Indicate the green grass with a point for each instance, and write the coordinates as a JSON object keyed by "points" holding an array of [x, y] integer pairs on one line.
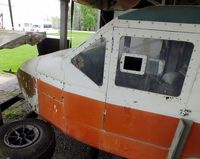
{"points": [[77, 37], [13, 58]]}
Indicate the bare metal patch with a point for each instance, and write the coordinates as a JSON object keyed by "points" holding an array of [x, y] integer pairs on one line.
{"points": [[27, 83]]}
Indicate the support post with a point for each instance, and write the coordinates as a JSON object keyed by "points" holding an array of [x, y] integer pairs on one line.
{"points": [[1, 21], [63, 23], [164, 2], [11, 15]]}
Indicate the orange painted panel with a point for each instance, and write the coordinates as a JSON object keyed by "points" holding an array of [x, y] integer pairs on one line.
{"points": [[85, 134], [192, 146], [49, 107], [132, 149], [127, 132], [84, 110], [114, 144], [84, 119], [52, 91], [148, 127]]}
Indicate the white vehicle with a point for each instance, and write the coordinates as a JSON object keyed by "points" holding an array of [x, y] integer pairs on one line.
{"points": [[44, 27], [25, 26]]}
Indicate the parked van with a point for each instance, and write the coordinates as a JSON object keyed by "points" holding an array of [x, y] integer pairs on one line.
{"points": [[44, 27], [25, 26]]}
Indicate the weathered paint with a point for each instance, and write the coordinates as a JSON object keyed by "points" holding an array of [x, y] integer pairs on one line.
{"points": [[51, 104], [125, 131], [140, 125], [128, 122], [192, 146], [27, 83]]}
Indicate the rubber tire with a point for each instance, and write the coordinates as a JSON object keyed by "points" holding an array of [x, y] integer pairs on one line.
{"points": [[42, 148]]}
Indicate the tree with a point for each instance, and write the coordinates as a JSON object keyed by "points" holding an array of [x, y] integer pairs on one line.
{"points": [[55, 20], [89, 17]]}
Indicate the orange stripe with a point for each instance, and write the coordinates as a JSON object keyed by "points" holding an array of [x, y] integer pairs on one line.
{"points": [[127, 132], [114, 144], [149, 127]]}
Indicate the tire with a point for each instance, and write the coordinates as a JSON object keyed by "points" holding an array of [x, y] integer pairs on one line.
{"points": [[41, 135]]}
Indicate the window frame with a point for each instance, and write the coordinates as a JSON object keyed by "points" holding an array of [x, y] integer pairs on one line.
{"points": [[92, 44], [154, 84], [121, 33], [149, 101], [86, 82]]}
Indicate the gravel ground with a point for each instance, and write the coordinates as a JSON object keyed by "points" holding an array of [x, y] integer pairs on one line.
{"points": [[66, 147]]}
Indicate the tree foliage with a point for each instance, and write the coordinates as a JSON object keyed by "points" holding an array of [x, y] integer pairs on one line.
{"points": [[89, 17]]}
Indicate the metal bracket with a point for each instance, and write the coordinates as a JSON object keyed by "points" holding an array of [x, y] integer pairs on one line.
{"points": [[185, 112], [180, 138]]}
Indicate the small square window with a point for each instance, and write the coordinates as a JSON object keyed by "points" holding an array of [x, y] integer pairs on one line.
{"points": [[133, 63]]}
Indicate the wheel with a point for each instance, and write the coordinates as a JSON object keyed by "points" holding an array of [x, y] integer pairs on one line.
{"points": [[27, 139]]}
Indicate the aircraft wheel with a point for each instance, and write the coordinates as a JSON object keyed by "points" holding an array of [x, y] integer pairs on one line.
{"points": [[27, 139]]}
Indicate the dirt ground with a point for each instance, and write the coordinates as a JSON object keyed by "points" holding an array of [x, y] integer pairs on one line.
{"points": [[66, 147]]}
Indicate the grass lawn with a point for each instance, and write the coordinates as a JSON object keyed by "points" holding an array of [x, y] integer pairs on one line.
{"points": [[78, 37], [13, 58]]}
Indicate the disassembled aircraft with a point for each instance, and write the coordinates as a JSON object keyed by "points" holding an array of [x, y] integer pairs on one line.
{"points": [[132, 89]]}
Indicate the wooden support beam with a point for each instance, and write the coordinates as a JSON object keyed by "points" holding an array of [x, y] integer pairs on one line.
{"points": [[10, 102], [63, 23], [7, 104]]}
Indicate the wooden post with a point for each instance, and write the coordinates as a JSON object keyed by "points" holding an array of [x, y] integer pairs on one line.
{"points": [[63, 23], [11, 15]]}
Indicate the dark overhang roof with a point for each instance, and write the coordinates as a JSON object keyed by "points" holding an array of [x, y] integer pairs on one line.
{"points": [[174, 14]]}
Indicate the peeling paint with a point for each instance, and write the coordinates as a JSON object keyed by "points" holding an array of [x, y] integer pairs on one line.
{"points": [[27, 83]]}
